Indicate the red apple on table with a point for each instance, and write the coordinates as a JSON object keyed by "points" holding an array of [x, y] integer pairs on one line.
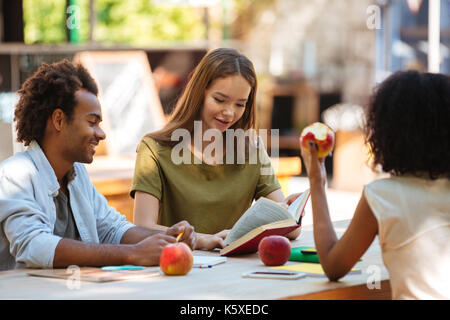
{"points": [[274, 250], [321, 135], [176, 259]]}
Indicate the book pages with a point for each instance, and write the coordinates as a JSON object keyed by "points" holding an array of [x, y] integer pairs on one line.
{"points": [[263, 211], [298, 205]]}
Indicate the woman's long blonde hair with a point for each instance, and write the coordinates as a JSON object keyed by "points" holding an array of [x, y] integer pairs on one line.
{"points": [[218, 63]]}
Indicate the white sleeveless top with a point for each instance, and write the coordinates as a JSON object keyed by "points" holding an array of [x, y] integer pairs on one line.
{"points": [[413, 217]]}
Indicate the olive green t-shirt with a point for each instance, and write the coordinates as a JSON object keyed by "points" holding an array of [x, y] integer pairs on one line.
{"points": [[209, 197]]}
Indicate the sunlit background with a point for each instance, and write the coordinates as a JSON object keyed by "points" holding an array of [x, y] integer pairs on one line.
{"points": [[316, 60]]}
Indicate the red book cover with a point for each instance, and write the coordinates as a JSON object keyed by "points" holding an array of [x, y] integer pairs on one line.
{"points": [[251, 245]]}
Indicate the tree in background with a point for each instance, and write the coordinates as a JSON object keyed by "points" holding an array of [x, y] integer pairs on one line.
{"points": [[44, 21], [134, 22]]}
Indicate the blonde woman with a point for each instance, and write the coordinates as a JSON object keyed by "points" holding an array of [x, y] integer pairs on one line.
{"points": [[208, 193]]}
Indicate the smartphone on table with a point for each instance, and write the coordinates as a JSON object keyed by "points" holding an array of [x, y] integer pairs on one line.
{"points": [[274, 274]]}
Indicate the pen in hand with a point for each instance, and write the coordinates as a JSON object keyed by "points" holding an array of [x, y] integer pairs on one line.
{"points": [[180, 235]]}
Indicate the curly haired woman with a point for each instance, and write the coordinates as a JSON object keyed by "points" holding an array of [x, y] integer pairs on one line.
{"points": [[408, 131]]}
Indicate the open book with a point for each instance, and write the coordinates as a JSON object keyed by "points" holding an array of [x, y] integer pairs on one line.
{"points": [[264, 218]]}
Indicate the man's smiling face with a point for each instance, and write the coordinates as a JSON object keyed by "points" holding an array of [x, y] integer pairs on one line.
{"points": [[83, 133]]}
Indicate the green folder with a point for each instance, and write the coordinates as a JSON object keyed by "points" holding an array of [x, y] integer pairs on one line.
{"points": [[297, 255]]}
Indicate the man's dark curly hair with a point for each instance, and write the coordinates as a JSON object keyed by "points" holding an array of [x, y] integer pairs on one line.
{"points": [[52, 86], [408, 124]]}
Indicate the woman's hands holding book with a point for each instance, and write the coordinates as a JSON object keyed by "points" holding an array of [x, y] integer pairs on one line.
{"points": [[286, 203], [211, 241], [289, 199]]}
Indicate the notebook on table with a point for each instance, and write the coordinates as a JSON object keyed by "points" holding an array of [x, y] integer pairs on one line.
{"points": [[206, 261], [94, 274]]}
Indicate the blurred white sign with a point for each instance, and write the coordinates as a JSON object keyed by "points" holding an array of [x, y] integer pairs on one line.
{"points": [[128, 97], [8, 101], [345, 117]]}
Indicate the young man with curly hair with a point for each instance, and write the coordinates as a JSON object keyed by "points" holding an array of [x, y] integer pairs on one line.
{"points": [[50, 213]]}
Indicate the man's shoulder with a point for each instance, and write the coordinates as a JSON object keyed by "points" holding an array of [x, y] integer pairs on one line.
{"points": [[18, 164]]}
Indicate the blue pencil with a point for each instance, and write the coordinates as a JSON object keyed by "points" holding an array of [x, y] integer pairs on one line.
{"points": [[118, 268]]}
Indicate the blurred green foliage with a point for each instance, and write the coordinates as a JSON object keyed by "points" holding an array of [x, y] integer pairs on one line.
{"points": [[44, 21], [134, 22]]}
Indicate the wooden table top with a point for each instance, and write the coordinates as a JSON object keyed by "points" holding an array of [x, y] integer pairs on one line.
{"points": [[222, 281]]}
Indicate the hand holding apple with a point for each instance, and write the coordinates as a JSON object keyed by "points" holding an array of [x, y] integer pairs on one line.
{"points": [[211, 241], [316, 142], [274, 250], [176, 259], [321, 135]]}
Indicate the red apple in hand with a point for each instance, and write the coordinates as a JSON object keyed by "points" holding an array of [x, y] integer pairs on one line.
{"points": [[274, 250], [319, 134], [176, 259]]}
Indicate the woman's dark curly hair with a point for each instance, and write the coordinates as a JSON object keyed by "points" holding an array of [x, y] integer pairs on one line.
{"points": [[408, 124], [52, 86]]}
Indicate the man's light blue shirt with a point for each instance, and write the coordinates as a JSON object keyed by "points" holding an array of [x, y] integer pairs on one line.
{"points": [[28, 185]]}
